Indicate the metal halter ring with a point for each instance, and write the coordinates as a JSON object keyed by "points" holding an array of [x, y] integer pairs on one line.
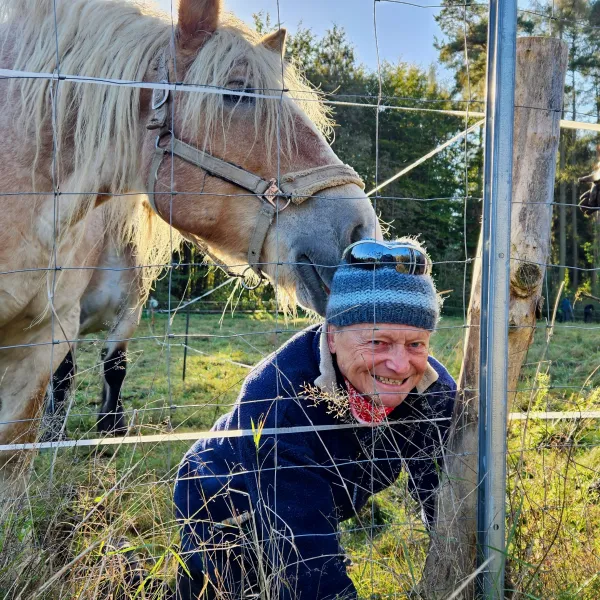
{"points": [[247, 286], [159, 138], [273, 193]]}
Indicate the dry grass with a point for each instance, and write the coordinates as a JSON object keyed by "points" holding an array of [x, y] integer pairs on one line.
{"points": [[91, 517]]}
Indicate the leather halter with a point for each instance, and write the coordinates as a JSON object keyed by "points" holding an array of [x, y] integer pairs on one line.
{"points": [[274, 197]]}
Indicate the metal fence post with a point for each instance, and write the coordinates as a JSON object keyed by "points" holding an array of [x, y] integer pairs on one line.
{"points": [[495, 295]]}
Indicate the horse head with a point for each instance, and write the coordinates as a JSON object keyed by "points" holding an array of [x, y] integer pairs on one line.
{"points": [[250, 176]]}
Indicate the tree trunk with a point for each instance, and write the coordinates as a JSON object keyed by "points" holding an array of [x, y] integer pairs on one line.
{"points": [[596, 215], [575, 241], [595, 251], [562, 209], [562, 216], [574, 207], [540, 76]]}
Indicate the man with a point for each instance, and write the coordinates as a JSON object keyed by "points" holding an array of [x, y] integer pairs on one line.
{"points": [[326, 421]]}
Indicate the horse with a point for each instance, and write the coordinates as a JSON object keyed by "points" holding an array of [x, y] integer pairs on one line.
{"points": [[111, 303], [233, 155], [589, 202]]}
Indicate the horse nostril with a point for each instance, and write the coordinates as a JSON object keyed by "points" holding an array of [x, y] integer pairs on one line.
{"points": [[357, 234]]}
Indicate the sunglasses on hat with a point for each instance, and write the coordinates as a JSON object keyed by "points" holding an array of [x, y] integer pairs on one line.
{"points": [[369, 254]]}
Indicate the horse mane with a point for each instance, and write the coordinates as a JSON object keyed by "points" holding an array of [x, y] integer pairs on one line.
{"points": [[93, 121], [100, 125], [235, 46]]}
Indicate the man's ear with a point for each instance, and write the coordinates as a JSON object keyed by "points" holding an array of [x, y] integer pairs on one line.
{"points": [[198, 20], [331, 338]]}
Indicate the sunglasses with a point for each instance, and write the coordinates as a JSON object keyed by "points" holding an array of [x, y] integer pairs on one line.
{"points": [[369, 254]]}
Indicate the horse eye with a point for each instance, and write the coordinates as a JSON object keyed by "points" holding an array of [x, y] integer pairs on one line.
{"points": [[233, 99]]}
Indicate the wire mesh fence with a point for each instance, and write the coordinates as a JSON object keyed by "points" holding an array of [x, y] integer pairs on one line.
{"points": [[120, 346]]}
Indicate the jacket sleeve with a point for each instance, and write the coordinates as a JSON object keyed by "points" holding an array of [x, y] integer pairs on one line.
{"points": [[424, 448], [296, 518]]}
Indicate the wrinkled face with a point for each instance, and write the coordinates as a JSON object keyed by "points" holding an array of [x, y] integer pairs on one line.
{"points": [[385, 361]]}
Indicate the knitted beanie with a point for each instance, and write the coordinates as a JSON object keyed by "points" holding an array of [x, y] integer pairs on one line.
{"points": [[382, 295]]}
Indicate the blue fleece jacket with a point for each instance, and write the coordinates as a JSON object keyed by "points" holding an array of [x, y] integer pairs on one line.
{"points": [[288, 491]]}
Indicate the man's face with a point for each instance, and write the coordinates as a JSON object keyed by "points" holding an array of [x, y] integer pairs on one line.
{"points": [[384, 361]]}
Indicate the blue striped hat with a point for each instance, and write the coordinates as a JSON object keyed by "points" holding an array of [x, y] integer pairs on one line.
{"points": [[383, 295]]}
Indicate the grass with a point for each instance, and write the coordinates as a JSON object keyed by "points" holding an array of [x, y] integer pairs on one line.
{"points": [[82, 499]]}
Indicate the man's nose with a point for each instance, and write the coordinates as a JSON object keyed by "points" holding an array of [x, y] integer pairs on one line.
{"points": [[398, 360]]}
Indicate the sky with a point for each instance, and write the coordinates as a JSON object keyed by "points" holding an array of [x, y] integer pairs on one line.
{"points": [[404, 32]]}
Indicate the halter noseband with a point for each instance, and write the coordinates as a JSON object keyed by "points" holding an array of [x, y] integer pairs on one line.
{"points": [[292, 187]]}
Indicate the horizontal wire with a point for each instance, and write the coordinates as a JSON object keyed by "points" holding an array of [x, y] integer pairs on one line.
{"points": [[484, 5], [172, 336], [447, 6], [190, 87], [238, 195], [170, 479], [200, 264], [231, 404], [199, 435], [237, 433], [273, 263], [17, 74]]}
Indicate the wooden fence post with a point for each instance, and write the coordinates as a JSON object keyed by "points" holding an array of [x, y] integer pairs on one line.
{"points": [[540, 76]]}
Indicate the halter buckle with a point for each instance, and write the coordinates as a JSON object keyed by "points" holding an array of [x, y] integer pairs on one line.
{"points": [[273, 193]]}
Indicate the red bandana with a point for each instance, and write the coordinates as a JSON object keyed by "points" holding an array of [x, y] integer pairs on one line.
{"points": [[363, 409]]}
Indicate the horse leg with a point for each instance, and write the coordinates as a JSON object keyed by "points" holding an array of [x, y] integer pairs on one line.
{"points": [[111, 420], [21, 426], [27, 373], [53, 425]]}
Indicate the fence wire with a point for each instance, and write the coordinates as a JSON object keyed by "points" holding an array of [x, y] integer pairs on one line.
{"points": [[95, 518]]}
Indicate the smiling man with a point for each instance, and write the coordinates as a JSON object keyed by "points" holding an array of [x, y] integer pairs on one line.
{"points": [[320, 426]]}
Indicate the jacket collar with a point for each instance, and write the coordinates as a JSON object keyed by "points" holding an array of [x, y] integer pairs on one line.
{"points": [[327, 379]]}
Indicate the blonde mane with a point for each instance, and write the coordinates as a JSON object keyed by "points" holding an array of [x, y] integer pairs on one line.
{"points": [[100, 125], [236, 47]]}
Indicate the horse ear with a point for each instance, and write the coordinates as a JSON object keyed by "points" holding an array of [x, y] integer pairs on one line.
{"points": [[275, 41], [198, 20]]}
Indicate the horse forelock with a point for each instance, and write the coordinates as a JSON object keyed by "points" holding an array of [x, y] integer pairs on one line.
{"points": [[119, 39], [236, 49]]}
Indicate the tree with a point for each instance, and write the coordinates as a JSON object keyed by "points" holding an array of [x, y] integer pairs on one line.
{"points": [[379, 142]]}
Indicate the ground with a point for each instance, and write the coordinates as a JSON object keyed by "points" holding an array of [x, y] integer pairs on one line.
{"points": [[78, 496]]}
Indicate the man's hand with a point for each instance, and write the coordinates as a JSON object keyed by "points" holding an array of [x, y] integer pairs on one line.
{"points": [[589, 202]]}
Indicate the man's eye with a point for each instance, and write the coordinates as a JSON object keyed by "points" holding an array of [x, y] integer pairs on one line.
{"points": [[416, 344]]}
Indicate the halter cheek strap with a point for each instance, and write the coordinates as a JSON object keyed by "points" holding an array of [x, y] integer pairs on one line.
{"points": [[293, 187]]}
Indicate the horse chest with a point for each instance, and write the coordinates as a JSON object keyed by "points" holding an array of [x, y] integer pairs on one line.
{"points": [[25, 292]]}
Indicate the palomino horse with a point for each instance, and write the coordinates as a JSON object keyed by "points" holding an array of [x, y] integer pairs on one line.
{"points": [[70, 148]]}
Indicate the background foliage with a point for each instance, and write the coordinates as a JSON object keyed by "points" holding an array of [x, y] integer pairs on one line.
{"points": [[440, 200]]}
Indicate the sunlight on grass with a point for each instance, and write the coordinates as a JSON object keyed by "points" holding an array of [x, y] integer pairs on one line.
{"points": [[83, 503]]}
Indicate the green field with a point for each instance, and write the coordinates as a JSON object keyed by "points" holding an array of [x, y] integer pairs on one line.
{"points": [[79, 499]]}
